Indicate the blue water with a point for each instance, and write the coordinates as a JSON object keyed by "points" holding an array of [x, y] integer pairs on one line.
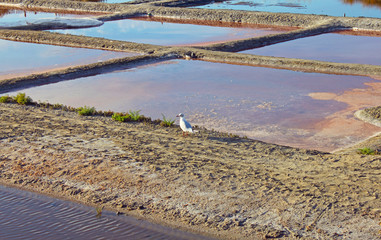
{"points": [[320, 7]]}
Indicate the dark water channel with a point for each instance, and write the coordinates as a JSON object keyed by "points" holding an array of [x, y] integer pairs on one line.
{"points": [[26, 215]]}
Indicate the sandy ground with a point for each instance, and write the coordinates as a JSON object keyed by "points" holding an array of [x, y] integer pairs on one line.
{"points": [[209, 183]]}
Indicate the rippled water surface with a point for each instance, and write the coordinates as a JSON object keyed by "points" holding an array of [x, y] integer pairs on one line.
{"points": [[14, 15], [26, 215], [328, 47], [351, 8], [18, 58], [166, 33], [309, 110]]}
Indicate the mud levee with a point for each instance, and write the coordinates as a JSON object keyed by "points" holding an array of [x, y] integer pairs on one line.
{"points": [[210, 183], [80, 71], [78, 41], [265, 18]]}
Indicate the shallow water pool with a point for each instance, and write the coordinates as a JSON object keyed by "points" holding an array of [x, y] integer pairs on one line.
{"points": [[331, 47], [26, 215], [167, 33], [351, 8], [9, 15], [19, 58], [309, 110]]}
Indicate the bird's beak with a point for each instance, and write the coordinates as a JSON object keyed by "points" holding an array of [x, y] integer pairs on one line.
{"points": [[177, 115]]}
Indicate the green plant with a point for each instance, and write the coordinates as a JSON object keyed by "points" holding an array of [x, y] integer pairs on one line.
{"points": [[22, 99], [366, 151], [86, 111], [167, 122], [5, 99], [135, 115], [121, 117]]}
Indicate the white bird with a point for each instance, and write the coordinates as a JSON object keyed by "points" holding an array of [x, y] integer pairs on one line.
{"points": [[184, 125]]}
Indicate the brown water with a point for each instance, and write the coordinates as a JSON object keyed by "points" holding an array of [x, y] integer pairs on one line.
{"points": [[332, 47], [18, 58], [310, 110], [26, 215]]}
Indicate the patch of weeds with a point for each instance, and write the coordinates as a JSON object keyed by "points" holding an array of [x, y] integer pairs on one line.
{"points": [[167, 122], [135, 115], [5, 99], [121, 117], [86, 111], [367, 151], [22, 99]]}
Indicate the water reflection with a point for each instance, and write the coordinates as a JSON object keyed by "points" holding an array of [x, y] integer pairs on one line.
{"points": [[8, 15], [267, 104], [18, 58], [328, 47], [369, 3], [351, 8], [165, 33]]}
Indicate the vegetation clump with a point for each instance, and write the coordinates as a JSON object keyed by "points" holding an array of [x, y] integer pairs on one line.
{"points": [[367, 151], [121, 117], [166, 122], [86, 111], [5, 99]]}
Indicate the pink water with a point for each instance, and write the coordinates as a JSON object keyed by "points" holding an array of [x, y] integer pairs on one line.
{"points": [[170, 33], [309, 110], [18, 58], [332, 47]]}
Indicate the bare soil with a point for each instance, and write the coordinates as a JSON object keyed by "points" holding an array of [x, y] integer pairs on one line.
{"points": [[210, 183]]}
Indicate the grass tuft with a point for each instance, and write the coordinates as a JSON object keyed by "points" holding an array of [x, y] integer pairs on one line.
{"points": [[86, 111], [167, 122], [6, 99], [367, 151], [135, 115], [121, 117]]}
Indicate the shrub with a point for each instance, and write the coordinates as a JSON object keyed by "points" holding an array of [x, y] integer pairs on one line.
{"points": [[86, 111], [22, 99]]}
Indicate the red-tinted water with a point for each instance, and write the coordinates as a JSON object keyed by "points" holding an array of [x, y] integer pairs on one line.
{"points": [[330, 47], [18, 58], [167, 33]]}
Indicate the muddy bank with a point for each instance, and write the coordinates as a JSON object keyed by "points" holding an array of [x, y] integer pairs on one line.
{"points": [[210, 183], [130, 10], [80, 71]]}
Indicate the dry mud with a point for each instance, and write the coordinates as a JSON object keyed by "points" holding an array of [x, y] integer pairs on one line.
{"points": [[210, 183]]}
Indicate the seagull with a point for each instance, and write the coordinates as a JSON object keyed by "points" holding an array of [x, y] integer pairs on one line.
{"points": [[184, 125]]}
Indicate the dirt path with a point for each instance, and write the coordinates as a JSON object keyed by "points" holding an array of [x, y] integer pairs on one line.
{"points": [[208, 183]]}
